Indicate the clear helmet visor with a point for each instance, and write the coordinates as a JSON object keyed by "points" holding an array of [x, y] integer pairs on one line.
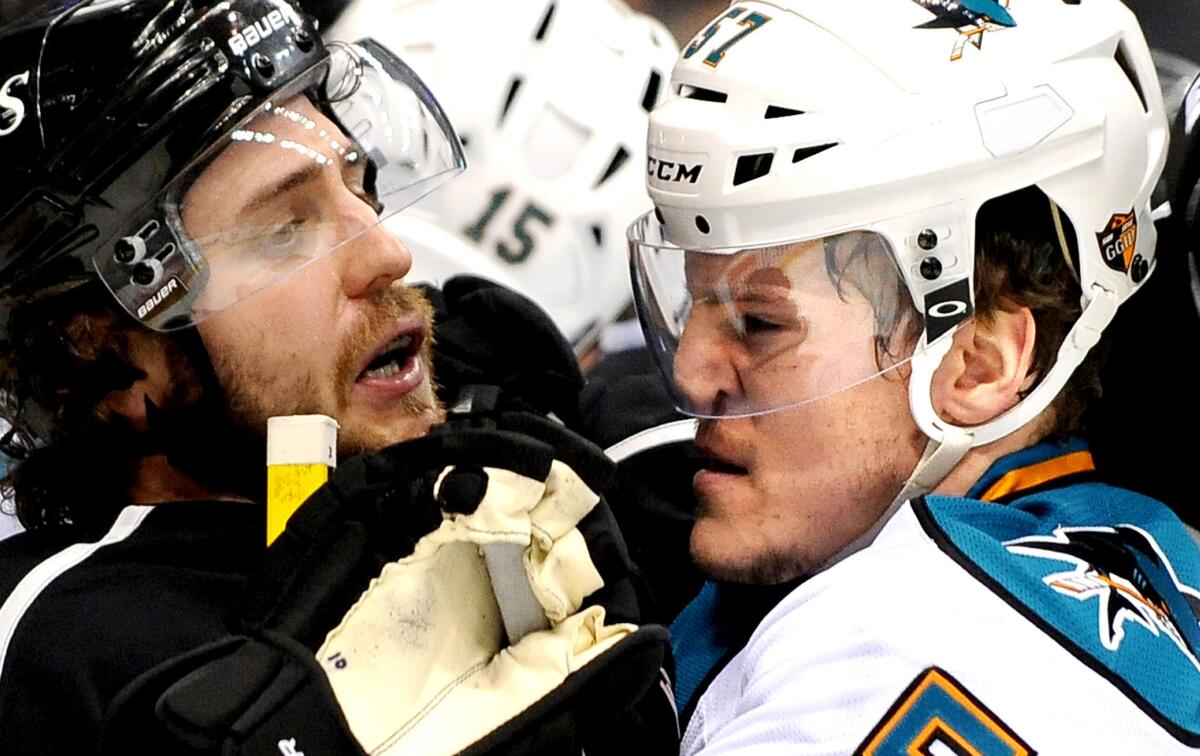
{"points": [[349, 143], [747, 331]]}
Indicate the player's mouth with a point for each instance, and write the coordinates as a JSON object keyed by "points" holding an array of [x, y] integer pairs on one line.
{"points": [[395, 367], [720, 465], [716, 467]]}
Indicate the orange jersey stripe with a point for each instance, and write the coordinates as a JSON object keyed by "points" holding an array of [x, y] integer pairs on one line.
{"points": [[1034, 475]]}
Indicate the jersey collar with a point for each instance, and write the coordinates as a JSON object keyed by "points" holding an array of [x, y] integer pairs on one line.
{"points": [[1046, 465]]}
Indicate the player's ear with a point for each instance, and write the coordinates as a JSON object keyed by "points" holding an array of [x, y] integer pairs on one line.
{"points": [[988, 366]]}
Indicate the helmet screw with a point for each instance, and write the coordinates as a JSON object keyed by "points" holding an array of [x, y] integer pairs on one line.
{"points": [[124, 251], [927, 239], [303, 39], [931, 268], [263, 65], [1139, 269], [143, 274]]}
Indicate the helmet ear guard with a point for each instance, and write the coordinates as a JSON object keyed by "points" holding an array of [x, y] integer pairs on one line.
{"points": [[1083, 336]]}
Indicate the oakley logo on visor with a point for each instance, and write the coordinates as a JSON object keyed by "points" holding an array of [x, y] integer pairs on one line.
{"points": [[12, 108]]}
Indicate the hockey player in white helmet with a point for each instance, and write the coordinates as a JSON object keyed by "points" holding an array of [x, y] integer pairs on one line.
{"points": [[551, 99], [888, 236]]}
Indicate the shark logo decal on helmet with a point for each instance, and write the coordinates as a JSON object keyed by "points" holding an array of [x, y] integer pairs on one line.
{"points": [[971, 18]]}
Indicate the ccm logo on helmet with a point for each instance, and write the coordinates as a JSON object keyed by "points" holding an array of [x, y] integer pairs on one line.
{"points": [[244, 39], [665, 170], [12, 109]]}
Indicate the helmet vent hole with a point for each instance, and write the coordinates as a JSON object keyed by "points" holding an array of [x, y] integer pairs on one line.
{"points": [[751, 167], [702, 224], [598, 235], [689, 92], [775, 111], [511, 98], [619, 158], [1122, 58], [650, 96], [540, 34], [804, 153]]}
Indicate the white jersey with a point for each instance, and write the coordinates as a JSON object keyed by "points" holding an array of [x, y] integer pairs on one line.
{"points": [[969, 627]]}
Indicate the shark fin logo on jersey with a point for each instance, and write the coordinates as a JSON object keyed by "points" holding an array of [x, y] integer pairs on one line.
{"points": [[971, 18], [1130, 577]]}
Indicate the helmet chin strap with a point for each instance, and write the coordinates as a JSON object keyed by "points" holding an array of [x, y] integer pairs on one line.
{"points": [[948, 444]]}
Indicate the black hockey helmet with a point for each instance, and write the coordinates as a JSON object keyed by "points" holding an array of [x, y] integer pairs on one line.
{"points": [[97, 150]]}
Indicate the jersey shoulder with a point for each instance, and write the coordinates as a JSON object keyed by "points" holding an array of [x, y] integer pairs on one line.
{"points": [[1109, 575]]}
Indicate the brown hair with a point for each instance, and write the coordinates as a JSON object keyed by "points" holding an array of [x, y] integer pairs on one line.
{"points": [[68, 347], [1020, 260]]}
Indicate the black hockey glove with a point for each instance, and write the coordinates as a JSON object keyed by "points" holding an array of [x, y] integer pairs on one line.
{"points": [[375, 624], [486, 334]]}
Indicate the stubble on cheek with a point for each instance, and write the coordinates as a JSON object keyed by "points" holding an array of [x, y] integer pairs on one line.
{"points": [[802, 506]]}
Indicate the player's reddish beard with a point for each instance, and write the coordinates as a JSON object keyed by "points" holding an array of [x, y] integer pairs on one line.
{"points": [[251, 398]]}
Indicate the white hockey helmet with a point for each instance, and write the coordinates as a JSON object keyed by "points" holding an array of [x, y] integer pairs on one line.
{"points": [[551, 99], [807, 139]]}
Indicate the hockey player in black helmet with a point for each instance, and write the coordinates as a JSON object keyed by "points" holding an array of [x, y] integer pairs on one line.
{"points": [[154, 181], [189, 245]]}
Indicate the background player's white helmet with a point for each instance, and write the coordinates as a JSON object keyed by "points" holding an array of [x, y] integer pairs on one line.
{"points": [[551, 99], [875, 130]]}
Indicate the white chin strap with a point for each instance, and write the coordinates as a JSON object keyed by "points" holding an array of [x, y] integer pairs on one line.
{"points": [[948, 444]]}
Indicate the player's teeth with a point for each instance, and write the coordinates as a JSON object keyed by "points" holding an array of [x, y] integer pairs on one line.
{"points": [[384, 371]]}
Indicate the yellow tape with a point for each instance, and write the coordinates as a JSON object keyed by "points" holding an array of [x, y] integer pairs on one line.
{"points": [[287, 488]]}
